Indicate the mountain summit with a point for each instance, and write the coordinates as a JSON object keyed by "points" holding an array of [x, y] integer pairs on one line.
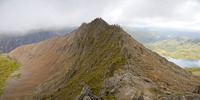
{"points": [[97, 61]]}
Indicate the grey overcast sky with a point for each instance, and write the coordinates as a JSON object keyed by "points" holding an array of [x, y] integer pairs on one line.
{"points": [[23, 15]]}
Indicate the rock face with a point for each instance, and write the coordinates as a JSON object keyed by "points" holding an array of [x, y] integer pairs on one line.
{"points": [[182, 97], [197, 90], [107, 59], [86, 94]]}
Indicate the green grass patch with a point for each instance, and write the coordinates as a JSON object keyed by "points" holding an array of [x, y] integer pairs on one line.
{"points": [[111, 98], [18, 75], [194, 70], [7, 66]]}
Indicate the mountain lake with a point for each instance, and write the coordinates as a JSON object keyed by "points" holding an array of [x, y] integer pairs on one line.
{"points": [[184, 62]]}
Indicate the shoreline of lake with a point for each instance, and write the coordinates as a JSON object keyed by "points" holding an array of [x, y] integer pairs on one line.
{"points": [[184, 62]]}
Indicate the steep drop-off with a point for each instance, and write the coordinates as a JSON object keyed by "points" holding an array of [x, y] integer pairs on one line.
{"points": [[98, 61]]}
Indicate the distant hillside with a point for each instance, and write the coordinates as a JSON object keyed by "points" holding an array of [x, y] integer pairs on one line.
{"points": [[169, 32], [179, 47], [8, 42], [146, 36]]}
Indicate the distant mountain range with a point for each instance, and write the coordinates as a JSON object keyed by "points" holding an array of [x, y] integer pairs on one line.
{"points": [[179, 47], [151, 35], [8, 42], [143, 36], [169, 32]]}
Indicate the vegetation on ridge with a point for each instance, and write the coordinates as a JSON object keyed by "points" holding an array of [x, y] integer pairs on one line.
{"points": [[7, 67], [95, 75], [98, 61]]}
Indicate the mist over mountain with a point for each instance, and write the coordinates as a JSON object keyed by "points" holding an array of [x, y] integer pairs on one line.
{"points": [[23, 15], [143, 36], [9, 42]]}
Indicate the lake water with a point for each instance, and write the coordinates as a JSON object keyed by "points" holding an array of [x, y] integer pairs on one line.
{"points": [[185, 62]]}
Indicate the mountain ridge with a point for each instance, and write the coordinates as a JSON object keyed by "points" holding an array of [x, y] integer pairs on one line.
{"points": [[102, 59]]}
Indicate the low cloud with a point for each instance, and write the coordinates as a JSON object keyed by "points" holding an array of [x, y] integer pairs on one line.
{"points": [[24, 15]]}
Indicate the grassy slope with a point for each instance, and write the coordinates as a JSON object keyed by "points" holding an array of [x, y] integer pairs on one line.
{"points": [[6, 68], [194, 70], [176, 48]]}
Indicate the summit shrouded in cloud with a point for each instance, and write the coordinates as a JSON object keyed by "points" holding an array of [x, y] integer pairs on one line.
{"points": [[24, 15]]}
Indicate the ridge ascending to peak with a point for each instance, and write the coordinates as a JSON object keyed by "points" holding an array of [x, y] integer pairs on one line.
{"points": [[101, 22], [98, 24], [97, 21]]}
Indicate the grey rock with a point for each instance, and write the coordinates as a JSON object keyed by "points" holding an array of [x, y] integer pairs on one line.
{"points": [[197, 90], [137, 97], [182, 97], [86, 94]]}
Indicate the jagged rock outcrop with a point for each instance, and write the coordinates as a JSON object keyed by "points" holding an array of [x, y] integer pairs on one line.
{"points": [[86, 94], [197, 90], [182, 97], [137, 97], [107, 59]]}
